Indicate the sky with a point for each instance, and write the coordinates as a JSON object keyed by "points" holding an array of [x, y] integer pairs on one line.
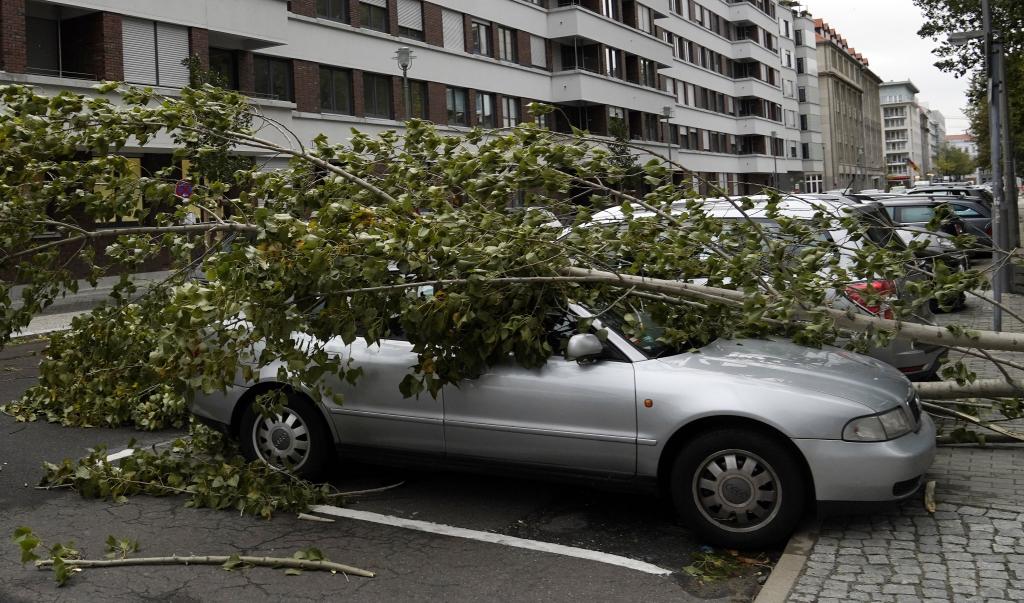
{"points": [[885, 32]]}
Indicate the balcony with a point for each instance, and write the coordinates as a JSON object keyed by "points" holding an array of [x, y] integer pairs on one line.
{"points": [[578, 86], [573, 21], [754, 87]]}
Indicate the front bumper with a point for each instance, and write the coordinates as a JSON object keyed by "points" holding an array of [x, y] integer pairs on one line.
{"points": [[870, 471]]}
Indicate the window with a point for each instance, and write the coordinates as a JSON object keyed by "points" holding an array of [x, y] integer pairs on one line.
{"points": [[485, 110], [418, 100], [805, 148], [966, 212], [377, 95], [647, 73], [373, 14], [335, 10], [410, 19], [507, 44], [509, 111], [789, 58], [224, 68], [612, 62], [799, 65], [801, 94], [143, 63], [803, 121], [335, 90], [457, 100], [644, 20], [273, 78], [481, 38], [538, 51]]}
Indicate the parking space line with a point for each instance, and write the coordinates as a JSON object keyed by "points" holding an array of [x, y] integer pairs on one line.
{"points": [[522, 543]]}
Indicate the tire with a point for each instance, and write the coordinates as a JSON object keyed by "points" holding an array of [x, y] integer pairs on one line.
{"points": [[738, 508], [297, 440]]}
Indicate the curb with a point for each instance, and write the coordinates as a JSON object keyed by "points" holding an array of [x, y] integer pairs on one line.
{"points": [[784, 575]]}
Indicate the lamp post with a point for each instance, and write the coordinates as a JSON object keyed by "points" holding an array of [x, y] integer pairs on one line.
{"points": [[775, 160], [404, 56], [996, 90]]}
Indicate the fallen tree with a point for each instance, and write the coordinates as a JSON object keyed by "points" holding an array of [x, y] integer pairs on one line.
{"points": [[338, 243]]}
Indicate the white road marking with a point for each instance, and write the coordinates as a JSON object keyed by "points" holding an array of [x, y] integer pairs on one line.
{"points": [[116, 456], [522, 543]]}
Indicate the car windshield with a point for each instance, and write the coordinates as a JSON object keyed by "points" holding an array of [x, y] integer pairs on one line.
{"points": [[638, 326]]}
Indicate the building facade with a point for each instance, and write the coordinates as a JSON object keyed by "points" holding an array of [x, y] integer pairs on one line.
{"points": [[906, 131], [936, 136], [714, 79], [849, 109], [809, 98]]}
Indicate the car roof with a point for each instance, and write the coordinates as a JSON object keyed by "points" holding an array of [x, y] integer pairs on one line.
{"points": [[796, 206], [923, 200]]}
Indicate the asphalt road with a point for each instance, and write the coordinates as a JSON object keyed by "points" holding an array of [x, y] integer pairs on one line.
{"points": [[411, 565]]}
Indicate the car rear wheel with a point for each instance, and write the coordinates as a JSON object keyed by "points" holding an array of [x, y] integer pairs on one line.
{"points": [[738, 488], [295, 440]]}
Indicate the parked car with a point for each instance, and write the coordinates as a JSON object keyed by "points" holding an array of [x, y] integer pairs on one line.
{"points": [[742, 435], [967, 217], [959, 191], [920, 362]]}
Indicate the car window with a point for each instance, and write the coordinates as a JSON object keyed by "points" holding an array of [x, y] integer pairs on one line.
{"points": [[915, 213], [560, 327], [966, 212]]}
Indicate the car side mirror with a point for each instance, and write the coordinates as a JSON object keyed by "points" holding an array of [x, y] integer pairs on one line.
{"points": [[582, 346]]}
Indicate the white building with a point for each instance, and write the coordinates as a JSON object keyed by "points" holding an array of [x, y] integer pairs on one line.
{"points": [[726, 71], [906, 133]]}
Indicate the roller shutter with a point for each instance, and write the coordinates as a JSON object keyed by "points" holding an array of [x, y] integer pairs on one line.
{"points": [[410, 14], [380, 3], [139, 39], [538, 51], [172, 49], [454, 33]]}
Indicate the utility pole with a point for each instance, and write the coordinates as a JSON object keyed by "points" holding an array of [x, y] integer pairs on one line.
{"points": [[999, 230]]}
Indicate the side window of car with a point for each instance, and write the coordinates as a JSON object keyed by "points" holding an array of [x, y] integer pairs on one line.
{"points": [[561, 326], [916, 213], [965, 212]]}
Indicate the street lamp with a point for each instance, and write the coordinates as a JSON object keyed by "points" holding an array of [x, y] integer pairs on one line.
{"points": [[404, 56], [775, 160], [666, 113], [997, 104]]}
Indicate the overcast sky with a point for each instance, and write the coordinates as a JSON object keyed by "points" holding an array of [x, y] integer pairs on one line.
{"points": [[885, 31]]}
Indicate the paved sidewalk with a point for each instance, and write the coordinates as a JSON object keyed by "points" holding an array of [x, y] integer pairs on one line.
{"points": [[971, 549]]}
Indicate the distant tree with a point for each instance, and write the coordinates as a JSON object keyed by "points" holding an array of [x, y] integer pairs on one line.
{"points": [[952, 161]]}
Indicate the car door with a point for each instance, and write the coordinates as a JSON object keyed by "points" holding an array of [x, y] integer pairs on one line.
{"points": [[976, 219], [373, 412], [565, 414]]}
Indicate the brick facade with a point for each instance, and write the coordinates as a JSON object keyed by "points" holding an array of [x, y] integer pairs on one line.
{"points": [[13, 43], [437, 103], [398, 99], [358, 95], [523, 48], [303, 7], [353, 14], [307, 86], [433, 27], [199, 46], [393, 18], [246, 73]]}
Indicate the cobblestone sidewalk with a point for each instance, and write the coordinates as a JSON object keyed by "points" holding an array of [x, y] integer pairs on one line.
{"points": [[971, 549]]}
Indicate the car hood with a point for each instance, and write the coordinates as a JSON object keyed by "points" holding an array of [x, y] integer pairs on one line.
{"points": [[828, 370]]}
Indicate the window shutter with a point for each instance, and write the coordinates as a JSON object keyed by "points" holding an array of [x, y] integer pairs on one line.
{"points": [[454, 34], [380, 3], [139, 41], [538, 51], [410, 14], [172, 47]]}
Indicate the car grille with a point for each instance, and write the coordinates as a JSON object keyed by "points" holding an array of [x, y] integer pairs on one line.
{"points": [[914, 402]]}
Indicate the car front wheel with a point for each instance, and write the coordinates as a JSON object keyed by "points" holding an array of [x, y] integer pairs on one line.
{"points": [[295, 440], [738, 488]]}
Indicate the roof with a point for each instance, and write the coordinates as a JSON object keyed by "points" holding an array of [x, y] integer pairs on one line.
{"points": [[905, 83], [959, 138], [823, 32]]}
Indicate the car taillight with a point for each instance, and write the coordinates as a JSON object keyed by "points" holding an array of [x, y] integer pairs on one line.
{"points": [[988, 230], [958, 227], [858, 293]]}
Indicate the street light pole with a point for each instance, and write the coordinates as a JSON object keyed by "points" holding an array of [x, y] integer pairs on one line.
{"points": [[404, 56], [666, 113]]}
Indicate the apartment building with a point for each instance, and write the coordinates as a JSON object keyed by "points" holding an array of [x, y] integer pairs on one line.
{"points": [[850, 113], [936, 136], [809, 98], [906, 131], [715, 80]]}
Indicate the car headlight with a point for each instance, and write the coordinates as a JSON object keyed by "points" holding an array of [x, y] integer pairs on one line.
{"points": [[878, 428]]}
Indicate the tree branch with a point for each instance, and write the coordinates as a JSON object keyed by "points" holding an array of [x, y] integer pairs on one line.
{"points": [[287, 562]]}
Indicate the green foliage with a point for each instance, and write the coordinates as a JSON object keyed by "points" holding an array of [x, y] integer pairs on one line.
{"points": [[59, 553], [709, 566], [952, 161], [120, 548], [206, 468]]}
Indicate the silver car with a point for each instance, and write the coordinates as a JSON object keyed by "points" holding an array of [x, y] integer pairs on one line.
{"points": [[743, 435]]}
